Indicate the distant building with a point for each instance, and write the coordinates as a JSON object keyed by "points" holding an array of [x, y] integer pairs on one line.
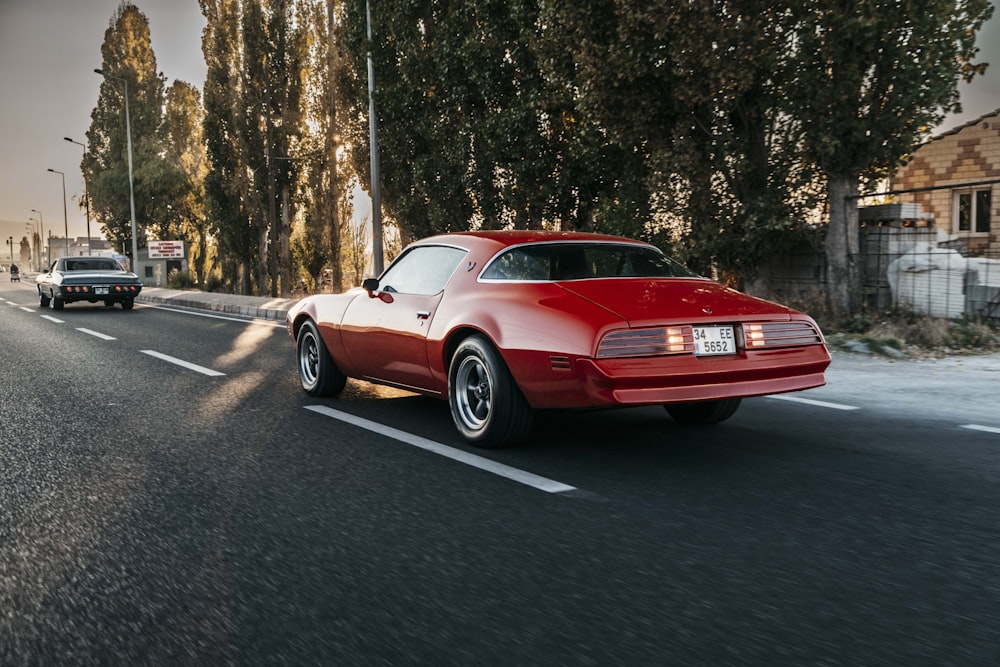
{"points": [[959, 175]]}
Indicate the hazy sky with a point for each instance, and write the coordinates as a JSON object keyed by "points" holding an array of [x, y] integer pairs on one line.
{"points": [[48, 52]]}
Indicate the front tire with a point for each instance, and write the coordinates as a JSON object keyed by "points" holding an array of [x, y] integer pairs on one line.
{"points": [[43, 300], [486, 404], [703, 413], [317, 371]]}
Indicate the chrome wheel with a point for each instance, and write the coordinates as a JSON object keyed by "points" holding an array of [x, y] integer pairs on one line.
{"points": [[317, 371], [487, 406], [473, 393]]}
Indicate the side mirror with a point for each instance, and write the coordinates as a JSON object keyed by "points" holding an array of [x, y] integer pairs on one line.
{"points": [[370, 285]]}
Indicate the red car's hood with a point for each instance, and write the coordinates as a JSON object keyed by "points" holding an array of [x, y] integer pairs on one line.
{"points": [[647, 301]]}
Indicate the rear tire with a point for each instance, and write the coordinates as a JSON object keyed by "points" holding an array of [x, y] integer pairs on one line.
{"points": [[703, 413], [57, 303], [486, 404], [317, 371], [128, 304]]}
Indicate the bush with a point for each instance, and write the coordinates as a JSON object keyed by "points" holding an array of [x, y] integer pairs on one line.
{"points": [[898, 328], [180, 280], [214, 283], [973, 334]]}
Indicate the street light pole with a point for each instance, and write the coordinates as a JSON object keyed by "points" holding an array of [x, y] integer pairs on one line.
{"points": [[373, 141], [30, 228], [86, 198], [65, 216], [131, 188], [41, 235]]}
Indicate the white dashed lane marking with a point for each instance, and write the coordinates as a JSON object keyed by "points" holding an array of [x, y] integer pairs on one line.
{"points": [[96, 334], [809, 401], [984, 429], [183, 364], [514, 474]]}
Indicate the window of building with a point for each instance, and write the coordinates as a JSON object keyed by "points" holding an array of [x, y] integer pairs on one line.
{"points": [[972, 211]]}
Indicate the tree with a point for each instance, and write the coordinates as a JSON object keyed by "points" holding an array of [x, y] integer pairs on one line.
{"points": [[185, 215], [873, 76], [127, 56], [227, 184], [468, 133]]}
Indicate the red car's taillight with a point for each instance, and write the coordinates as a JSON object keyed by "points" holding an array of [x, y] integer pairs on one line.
{"points": [[780, 334], [647, 342]]}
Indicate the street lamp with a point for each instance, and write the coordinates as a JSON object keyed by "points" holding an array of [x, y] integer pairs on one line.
{"points": [[131, 190], [41, 235], [373, 141], [30, 229], [65, 217], [86, 198]]}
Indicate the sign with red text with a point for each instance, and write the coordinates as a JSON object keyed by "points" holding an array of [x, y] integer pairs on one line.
{"points": [[166, 249]]}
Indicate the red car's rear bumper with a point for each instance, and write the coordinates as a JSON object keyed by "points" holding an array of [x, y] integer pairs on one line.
{"points": [[681, 378]]}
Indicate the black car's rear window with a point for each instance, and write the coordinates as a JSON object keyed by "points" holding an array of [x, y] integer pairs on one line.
{"points": [[580, 261], [92, 265]]}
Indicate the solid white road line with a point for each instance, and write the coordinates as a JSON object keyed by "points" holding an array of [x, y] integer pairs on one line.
{"points": [[96, 334], [809, 401], [182, 363], [514, 474], [985, 429], [266, 323], [53, 319]]}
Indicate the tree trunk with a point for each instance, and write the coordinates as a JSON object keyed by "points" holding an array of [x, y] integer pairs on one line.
{"points": [[332, 226], [843, 244], [285, 249]]}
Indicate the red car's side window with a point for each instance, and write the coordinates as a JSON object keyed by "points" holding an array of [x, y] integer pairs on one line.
{"points": [[422, 270]]}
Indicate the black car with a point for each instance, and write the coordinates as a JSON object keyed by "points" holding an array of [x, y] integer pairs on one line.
{"points": [[91, 279]]}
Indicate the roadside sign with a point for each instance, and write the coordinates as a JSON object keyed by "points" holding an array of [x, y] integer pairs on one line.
{"points": [[166, 249]]}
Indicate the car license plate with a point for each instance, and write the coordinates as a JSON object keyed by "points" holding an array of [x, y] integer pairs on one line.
{"points": [[100, 290], [714, 340]]}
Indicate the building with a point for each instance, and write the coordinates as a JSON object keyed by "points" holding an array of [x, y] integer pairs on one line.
{"points": [[955, 176]]}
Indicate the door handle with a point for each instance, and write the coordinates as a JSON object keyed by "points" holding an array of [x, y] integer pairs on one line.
{"points": [[423, 314]]}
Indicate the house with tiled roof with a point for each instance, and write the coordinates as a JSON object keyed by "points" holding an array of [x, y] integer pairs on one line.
{"points": [[955, 176]]}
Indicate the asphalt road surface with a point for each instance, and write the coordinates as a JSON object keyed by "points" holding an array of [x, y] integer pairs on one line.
{"points": [[169, 495]]}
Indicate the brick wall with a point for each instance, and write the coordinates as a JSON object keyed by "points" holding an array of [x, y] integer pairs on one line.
{"points": [[966, 154]]}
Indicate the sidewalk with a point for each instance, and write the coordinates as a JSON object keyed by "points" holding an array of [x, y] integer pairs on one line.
{"points": [[259, 307]]}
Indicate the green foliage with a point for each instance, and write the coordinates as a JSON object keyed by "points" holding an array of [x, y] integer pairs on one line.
{"points": [[127, 60], [180, 280]]}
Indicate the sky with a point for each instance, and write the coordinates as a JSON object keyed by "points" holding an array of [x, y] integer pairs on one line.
{"points": [[50, 48], [48, 52]]}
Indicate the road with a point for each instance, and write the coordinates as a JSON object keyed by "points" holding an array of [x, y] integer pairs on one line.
{"points": [[168, 495]]}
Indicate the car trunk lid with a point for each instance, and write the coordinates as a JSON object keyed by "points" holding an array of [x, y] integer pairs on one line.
{"points": [[651, 301]]}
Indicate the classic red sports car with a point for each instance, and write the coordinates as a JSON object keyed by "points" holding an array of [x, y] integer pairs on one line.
{"points": [[502, 323]]}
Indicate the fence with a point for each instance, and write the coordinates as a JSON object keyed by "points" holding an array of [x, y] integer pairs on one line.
{"points": [[900, 266]]}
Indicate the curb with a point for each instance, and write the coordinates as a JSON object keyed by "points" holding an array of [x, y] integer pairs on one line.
{"points": [[257, 307]]}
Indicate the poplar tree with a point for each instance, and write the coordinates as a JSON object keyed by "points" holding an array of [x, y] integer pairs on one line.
{"points": [[227, 184], [127, 56], [185, 216]]}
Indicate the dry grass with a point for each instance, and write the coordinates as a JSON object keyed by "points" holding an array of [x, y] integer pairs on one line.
{"points": [[902, 329]]}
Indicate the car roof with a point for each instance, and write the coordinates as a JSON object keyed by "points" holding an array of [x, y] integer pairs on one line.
{"points": [[506, 238]]}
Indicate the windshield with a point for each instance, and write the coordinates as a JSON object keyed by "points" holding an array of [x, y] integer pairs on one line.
{"points": [[581, 261]]}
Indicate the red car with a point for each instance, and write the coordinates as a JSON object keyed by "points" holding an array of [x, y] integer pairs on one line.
{"points": [[503, 323]]}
